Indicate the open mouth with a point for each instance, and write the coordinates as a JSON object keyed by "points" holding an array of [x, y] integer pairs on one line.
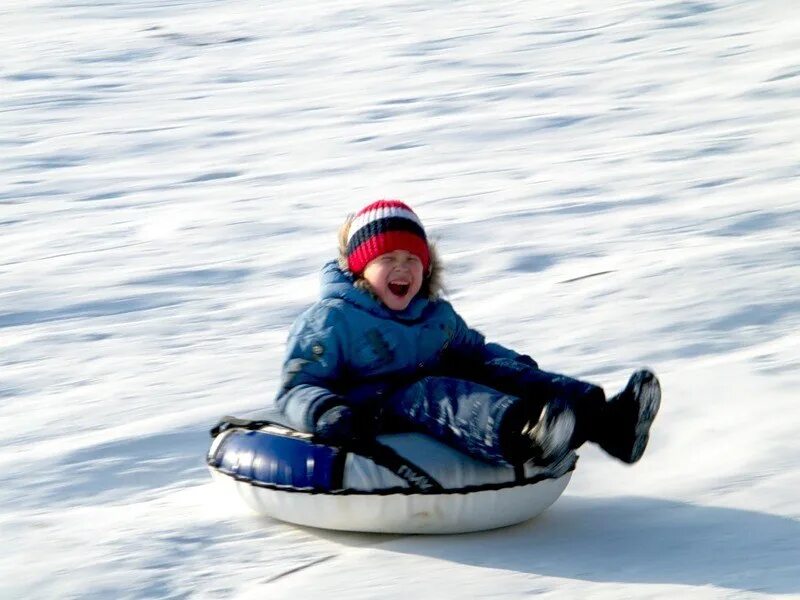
{"points": [[399, 289]]}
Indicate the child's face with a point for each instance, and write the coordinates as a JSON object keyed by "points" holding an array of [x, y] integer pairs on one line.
{"points": [[396, 277]]}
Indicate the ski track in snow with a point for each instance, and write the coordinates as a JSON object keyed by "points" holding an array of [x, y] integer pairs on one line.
{"points": [[610, 184]]}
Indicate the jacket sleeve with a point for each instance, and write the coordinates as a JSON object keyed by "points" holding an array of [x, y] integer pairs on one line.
{"points": [[312, 368], [470, 344], [470, 357]]}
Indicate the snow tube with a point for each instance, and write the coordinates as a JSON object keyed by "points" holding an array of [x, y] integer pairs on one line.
{"points": [[400, 483]]}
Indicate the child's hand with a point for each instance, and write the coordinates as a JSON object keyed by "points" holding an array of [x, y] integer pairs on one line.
{"points": [[336, 425]]}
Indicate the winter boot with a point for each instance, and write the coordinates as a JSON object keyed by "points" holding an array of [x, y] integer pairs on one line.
{"points": [[552, 433], [628, 416]]}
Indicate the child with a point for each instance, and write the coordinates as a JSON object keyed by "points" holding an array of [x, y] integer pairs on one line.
{"points": [[381, 351]]}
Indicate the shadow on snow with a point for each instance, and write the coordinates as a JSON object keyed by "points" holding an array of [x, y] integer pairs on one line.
{"points": [[631, 540]]}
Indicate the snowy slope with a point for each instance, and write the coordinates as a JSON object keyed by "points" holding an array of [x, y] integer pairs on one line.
{"points": [[611, 183]]}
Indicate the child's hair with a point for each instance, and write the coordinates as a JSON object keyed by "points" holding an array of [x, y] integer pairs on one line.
{"points": [[431, 285]]}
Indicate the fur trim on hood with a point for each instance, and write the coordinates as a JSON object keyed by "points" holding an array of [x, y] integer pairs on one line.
{"points": [[432, 286]]}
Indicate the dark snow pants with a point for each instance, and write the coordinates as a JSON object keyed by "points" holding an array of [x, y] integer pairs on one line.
{"points": [[485, 418]]}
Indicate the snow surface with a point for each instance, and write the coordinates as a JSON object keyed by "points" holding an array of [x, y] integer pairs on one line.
{"points": [[611, 183]]}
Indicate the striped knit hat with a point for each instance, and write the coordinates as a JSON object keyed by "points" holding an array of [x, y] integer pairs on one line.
{"points": [[381, 227]]}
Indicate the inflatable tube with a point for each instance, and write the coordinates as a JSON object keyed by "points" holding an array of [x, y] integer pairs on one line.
{"points": [[401, 483]]}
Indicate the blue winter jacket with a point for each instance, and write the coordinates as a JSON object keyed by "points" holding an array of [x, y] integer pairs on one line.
{"points": [[350, 349]]}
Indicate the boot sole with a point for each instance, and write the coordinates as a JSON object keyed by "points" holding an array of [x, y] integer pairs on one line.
{"points": [[553, 433], [648, 394]]}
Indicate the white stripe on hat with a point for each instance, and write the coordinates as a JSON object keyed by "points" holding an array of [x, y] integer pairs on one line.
{"points": [[376, 214]]}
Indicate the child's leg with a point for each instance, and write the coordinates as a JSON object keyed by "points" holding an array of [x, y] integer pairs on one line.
{"points": [[538, 388], [586, 400], [620, 426], [473, 418]]}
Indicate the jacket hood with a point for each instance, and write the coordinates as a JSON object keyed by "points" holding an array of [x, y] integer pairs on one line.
{"points": [[340, 284]]}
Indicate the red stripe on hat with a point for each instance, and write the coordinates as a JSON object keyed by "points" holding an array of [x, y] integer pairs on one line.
{"points": [[384, 243]]}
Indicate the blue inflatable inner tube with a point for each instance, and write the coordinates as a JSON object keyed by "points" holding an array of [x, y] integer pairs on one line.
{"points": [[266, 454], [281, 460], [399, 483]]}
